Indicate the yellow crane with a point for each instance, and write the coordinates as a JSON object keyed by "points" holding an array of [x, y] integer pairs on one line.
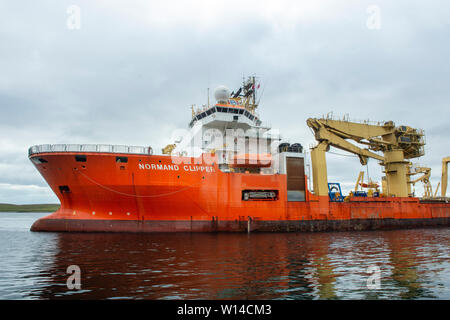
{"points": [[360, 183], [396, 143], [371, 186], [444, 177], [359, 180], [425, 179], [168, 149]]}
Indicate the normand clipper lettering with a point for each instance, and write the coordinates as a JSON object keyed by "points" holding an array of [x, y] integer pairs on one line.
{"points": [[174, 167]]}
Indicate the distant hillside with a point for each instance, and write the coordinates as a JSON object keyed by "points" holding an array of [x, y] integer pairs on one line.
{"points": [[6, 207]]}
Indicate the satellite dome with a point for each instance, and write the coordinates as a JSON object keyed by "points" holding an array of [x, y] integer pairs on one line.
{"points": [[222, 94]]}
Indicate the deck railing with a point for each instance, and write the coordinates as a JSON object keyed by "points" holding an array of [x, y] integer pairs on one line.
{"points": [[103, 148]]}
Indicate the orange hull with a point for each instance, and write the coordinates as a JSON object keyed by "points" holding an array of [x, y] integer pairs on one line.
{"points": [[149, 193]]}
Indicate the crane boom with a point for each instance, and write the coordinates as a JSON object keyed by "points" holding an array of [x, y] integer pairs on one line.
{"points": [[353, 130], [335, 140], [436, 191], [426, 174]]}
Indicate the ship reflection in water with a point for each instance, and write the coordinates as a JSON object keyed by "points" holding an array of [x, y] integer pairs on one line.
{"points": [[413, 263]]}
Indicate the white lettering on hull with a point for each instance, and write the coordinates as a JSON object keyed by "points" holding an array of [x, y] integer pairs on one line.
{"points": [[193, 168], [174, 167]]}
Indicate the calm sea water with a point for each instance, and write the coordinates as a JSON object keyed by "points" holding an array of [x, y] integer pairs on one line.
{"points": [[413, 264]]}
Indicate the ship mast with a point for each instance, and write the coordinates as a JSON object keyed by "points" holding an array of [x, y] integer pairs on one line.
{"points": [[249, 93]]}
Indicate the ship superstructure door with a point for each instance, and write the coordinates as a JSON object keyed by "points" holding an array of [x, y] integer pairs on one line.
{"points": [[295, 170]]}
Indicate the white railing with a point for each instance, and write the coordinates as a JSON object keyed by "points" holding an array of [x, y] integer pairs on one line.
{"points": [[346, 117], [104, 148]]}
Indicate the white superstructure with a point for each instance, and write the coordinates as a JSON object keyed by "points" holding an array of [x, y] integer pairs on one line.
{"points": [[232, 130], [229, 128]]}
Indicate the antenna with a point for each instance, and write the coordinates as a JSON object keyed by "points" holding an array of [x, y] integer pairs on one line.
{"points": [[254, 89], [262, 92]]}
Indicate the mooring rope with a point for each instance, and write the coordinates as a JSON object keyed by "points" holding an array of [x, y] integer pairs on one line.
{"points": [[135, 195]]}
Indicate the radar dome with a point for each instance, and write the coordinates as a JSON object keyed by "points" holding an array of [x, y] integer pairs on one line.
{"points": [[222, 93]]}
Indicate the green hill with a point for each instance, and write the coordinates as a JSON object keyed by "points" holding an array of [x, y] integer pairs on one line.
{"points": [[6, 207]]}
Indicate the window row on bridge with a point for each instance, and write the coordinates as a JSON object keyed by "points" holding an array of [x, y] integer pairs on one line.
{"points": [[223, 110]]}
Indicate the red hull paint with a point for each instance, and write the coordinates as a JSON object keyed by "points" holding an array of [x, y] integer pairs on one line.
{"points": [[152, 194]]}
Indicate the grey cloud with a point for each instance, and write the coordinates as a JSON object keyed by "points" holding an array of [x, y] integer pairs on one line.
{"points": [[121, 79]]}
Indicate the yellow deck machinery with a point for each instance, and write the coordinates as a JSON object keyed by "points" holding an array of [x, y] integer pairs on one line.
{"points": [[168, 149], [425, 179], [397, 144], [371, 186]]}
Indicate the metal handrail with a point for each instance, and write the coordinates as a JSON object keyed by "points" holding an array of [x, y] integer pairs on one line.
{"points": [[86, 148]]}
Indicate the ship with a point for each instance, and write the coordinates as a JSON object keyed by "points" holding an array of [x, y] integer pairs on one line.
{"points": [[231, 172]]}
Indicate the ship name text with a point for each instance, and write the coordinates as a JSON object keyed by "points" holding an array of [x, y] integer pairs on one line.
{"points": [[174, 167]]}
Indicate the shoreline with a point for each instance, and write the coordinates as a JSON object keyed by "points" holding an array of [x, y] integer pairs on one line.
{"points": [[42, 207]]}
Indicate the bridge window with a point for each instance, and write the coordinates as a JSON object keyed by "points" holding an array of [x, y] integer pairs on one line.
{"points": [[80, 158]]}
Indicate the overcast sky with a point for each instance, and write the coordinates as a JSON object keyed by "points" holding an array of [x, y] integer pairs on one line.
{"points": [[128, 73]]}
